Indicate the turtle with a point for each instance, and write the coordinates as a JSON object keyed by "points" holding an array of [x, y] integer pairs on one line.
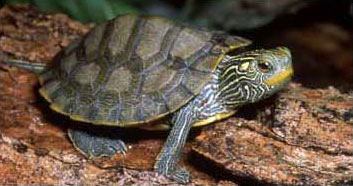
{"points": [[153, 73]]}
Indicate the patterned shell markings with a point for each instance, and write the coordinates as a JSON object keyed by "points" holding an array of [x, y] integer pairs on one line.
{"points": [[132, 70]]}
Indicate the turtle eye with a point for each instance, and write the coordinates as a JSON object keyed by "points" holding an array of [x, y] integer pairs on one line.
{"points": [[264, 66]]}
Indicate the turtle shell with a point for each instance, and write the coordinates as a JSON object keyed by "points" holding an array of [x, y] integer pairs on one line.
{"points": [[133, 69]]}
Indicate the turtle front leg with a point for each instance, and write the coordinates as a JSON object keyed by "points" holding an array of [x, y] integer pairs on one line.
{"points": [[171, 152], [92, 144]]}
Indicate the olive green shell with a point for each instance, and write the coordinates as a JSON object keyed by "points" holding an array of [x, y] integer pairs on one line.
{"points": [[133, 69]]}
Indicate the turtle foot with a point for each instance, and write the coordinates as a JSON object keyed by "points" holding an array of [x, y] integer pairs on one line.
{"points": [[166, 166], [94, 145]]}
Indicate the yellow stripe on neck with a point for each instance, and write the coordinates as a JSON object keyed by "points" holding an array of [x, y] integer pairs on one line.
{"points": [[212, 119], [280, 77]]}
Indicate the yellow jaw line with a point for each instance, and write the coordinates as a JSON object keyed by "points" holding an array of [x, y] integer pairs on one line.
{"points": [[280, 77]]}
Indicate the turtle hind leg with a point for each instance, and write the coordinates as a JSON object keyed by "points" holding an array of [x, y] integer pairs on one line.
{"points": [[95, 145]]}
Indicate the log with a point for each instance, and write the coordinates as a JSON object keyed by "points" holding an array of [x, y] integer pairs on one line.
{"points": [[304, 138]]}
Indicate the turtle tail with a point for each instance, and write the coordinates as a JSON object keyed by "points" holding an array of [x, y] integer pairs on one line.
{"points": [[37, 68]]}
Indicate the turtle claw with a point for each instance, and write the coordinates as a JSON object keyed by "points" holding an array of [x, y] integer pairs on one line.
{"points": [[180, 175], [166, 167], [92, 145]]}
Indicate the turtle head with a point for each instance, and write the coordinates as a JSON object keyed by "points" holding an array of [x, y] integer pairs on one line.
{"points": [[254, 75]]}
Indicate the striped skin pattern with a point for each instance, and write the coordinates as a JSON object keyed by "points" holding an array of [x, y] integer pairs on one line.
{"points": [[171, 152], [249, 80], [241, 79]]}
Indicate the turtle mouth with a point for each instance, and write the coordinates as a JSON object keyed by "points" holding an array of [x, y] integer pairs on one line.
{"points": [[280, 77]]}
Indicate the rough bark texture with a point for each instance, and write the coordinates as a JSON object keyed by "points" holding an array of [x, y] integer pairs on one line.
{"points": [[302, 136], [306, 140]]}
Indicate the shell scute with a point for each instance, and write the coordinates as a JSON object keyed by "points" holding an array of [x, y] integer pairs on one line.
{"points": [[151, 38], [189, 42], [117, 36], [92, 41]]}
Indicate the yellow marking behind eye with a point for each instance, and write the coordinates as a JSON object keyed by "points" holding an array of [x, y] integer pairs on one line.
{"points": [[244, 66], [280, 77]]}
